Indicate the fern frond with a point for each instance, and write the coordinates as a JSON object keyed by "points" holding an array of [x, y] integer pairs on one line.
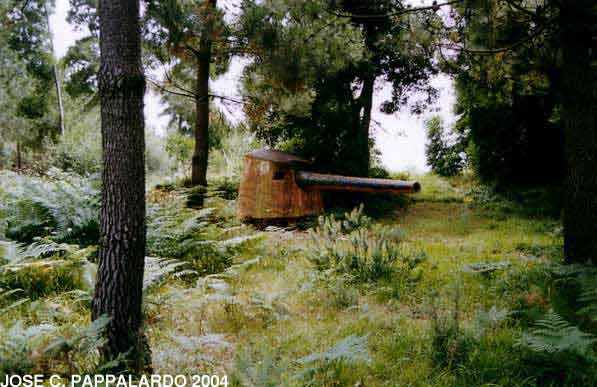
{"points": [[351, 349], [553, 334], [157, 269]]}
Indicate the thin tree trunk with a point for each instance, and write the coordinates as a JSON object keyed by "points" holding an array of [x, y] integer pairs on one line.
{"points": [[366, 101], [201, 153], [18, 157], [118, 292], [59, 96], [56, 77], [578, 110]]}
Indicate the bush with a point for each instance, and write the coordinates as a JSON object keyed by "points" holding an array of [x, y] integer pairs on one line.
{"points": [[225, 187], [79, 149], [355, 248]]}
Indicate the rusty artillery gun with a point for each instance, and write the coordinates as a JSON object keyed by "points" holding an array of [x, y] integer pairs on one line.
{"points": [[280, 186]]}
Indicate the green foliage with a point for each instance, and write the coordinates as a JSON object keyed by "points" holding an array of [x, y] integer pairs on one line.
{"points": [[176, 231], [333, 365], [79, 149], [352, 349], [227, 156], [554, 335], [157, 270], [509, 121], [180, 148], [42, 269], [27, 50], [158, 163], [560, 352], [444, 159], [17, 345], [362, 252], [267, 371], [36, 348], [532, 202], [310, 89], [224, 187], [82, 65], [26, 77], [61, 205]]}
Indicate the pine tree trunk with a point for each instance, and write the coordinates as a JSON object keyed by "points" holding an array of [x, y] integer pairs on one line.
{"points": [[578, 117], [201, 153], [118, 292]]}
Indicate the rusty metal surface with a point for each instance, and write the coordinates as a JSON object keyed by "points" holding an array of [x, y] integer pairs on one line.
{"points": [[321, 181], [277, 157], [272, 188], [269, 192]]}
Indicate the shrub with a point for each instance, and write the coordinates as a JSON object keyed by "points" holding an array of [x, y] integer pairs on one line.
{"points": [[79, 149], [225, 187], [355, 248]]}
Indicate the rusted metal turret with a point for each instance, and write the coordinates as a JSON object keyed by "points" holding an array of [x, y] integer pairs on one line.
{"points": [[277, 185]]}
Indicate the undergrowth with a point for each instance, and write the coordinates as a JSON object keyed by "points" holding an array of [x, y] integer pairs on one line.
{"points": [[450, 292]]}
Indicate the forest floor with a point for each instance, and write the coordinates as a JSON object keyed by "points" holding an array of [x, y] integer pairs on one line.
{"points": [[452, 316]]}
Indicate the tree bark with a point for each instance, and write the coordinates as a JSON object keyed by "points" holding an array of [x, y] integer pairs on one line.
{"points": [[118, 292], [201, 152], [578, 118]]}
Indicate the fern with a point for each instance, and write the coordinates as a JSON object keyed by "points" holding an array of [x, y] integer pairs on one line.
{"points": [[65, 206], [15, 252], [84, 339], [490, 319], [553, 334], [157, 269], [588, 298], [18, 347], [352, 349]]}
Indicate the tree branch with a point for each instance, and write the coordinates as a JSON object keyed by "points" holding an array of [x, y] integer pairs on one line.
{"points": [[164, 89], [520, 8], [435, 6], [490, 51]]}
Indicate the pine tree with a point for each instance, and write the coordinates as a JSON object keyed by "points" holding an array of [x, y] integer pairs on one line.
{"points": [[118, 292], [189, 37]]}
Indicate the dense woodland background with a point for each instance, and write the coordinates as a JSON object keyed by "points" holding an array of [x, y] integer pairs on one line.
{"points": [[120, 250]]}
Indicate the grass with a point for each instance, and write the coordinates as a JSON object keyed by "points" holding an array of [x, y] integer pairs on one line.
{"points": [[267, 315], [281, 308]]}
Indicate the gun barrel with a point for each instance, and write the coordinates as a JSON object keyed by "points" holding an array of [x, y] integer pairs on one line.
{"points": [[311, 180]]}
